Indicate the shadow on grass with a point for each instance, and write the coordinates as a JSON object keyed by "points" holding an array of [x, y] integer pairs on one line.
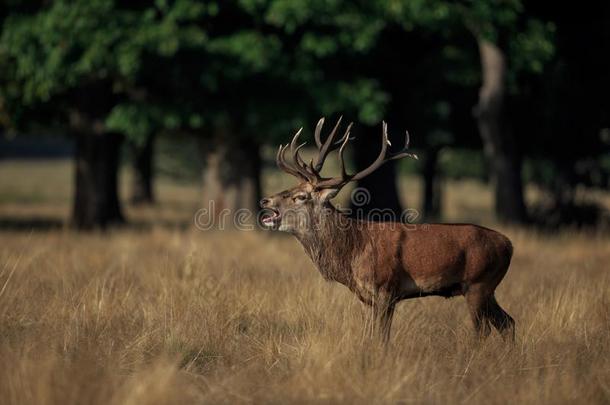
{"points": [[24, 224], [29, 224]]}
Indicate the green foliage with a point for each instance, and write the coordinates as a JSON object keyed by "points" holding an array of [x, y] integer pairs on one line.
{"points": [[95, 45], [311, 48], [527, 41], [262, 67], [137, 121], [251, 51], [322, 35], [363, 96], [430, 15], [533, 47], [458, 163]]}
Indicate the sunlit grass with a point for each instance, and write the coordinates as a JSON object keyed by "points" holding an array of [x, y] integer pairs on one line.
{"points": [[166, 314]]}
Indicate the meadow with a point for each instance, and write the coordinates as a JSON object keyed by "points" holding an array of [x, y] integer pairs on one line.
{"points": [[161, 312]]}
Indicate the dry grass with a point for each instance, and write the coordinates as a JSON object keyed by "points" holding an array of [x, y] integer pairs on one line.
{"points": [[172, 315]]}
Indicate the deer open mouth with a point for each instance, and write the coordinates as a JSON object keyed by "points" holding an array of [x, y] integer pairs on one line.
{"points": [[271, 217]]}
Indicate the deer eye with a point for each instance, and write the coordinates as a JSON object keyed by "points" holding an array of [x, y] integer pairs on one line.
{"points": [[300, 197]]}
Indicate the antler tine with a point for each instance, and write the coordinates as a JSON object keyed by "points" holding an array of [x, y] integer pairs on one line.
{"points": [[323, 149], [281, 162], [311, 172], [318, 131], [293, 150], [344, 176], [403, 152], [295, 138], [316, 134], [299, 164], [381, 159]]}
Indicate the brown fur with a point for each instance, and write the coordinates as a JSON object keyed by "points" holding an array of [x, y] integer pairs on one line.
{"points": [[384, 263]]}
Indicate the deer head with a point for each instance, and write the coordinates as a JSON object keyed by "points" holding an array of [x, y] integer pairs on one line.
{"points": [[295, 210]]}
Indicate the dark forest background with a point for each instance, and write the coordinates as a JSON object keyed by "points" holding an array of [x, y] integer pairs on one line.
{"points": [[517, 90]]}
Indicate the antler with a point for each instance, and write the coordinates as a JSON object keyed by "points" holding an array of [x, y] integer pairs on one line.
{"points": [[328, 146], [311, 172], [298, 167], [381, 159]]}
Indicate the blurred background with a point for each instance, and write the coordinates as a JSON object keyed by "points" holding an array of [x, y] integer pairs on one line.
{"points": [[141, 112]]}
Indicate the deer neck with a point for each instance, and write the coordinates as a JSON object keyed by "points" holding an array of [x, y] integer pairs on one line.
{"points": [[330, 241]]}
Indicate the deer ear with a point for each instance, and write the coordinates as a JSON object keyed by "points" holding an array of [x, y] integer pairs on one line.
{"points": [[327, 193]]}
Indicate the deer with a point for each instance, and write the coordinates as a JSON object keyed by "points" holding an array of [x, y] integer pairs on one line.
{"points": [[383, 263]]}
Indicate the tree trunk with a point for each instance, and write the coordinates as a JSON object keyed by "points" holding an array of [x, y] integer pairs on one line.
{"points": [[499, 145], [432, 185], [381, 190], [142, 192], [231, 179], [96, 201]]}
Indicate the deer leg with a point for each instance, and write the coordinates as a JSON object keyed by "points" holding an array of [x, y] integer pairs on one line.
{"points": [[501, 320], [383, 311], [477, 299]]}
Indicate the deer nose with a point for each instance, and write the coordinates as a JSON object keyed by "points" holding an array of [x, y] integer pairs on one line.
{"points": [[264, 202]]}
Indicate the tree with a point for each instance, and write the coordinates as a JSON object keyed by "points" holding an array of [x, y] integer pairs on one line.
{"points": [[325, 42], [77, 66], [510, 44], [58, 74], [143, 165], [245, 92], [568, 109], [499, 145], [227, 87]]}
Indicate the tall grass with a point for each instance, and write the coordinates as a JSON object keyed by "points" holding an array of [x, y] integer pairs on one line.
{"points": [[168, 316], [174, 315]]}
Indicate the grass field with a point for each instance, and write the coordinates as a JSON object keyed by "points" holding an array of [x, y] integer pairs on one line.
{"points": [[164, 313]]}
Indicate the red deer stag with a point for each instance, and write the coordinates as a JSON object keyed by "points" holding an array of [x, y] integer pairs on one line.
{"points": [[383, 263]]}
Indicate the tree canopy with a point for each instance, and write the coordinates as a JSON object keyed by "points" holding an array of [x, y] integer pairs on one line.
{"points": [[252, 71]]}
